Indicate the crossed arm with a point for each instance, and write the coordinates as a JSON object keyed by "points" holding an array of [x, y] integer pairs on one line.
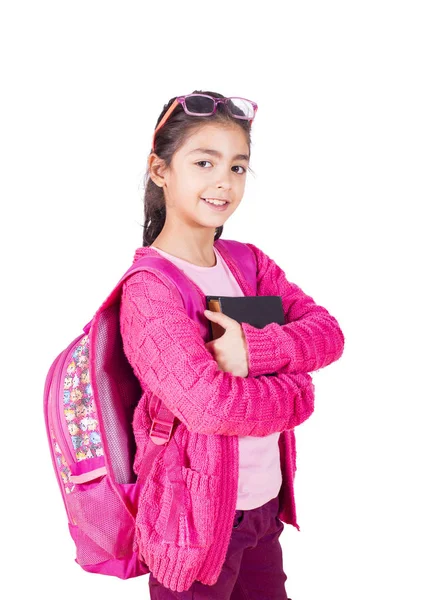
{"points": [[168, 355], [310, 338]]}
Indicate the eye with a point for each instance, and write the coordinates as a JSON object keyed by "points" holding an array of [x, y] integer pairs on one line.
{"points": [[200, 162]]}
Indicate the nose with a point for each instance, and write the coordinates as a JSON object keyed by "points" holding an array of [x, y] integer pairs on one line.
{"points": [[223, 182]]}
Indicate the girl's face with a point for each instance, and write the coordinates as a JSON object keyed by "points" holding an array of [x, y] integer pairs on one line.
{"points": [[212, 163]]}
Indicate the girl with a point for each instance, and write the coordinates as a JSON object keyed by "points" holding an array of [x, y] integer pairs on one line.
{"points": [[238, 397]]}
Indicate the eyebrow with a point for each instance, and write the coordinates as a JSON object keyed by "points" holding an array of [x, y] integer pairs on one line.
{"points": [[216, 153]]}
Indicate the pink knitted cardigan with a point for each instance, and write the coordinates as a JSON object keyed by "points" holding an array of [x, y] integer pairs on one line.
{"points": [[168, 355]]}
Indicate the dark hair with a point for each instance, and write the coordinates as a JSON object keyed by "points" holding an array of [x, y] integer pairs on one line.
{"points": [[168, 140]]}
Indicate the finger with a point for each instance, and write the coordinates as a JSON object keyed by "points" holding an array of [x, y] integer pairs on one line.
{"points": [[222, 319]]}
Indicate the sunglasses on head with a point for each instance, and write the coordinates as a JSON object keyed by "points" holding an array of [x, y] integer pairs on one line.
{"points": [[202, 105]]}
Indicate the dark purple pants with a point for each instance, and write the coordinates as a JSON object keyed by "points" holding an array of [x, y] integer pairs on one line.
{"points": [[253, 567]]}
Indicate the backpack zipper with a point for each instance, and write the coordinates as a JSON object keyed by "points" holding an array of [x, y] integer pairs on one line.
{"points": [[50, 431], [58, 416]]}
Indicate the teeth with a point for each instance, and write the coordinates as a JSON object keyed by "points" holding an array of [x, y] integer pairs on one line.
{"points": [[217, 202]]}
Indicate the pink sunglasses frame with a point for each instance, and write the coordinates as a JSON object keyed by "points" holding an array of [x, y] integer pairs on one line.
{"points": [[216, 101]]}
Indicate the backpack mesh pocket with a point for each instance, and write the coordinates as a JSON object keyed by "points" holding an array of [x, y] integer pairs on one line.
{"points": [[100, 535]]}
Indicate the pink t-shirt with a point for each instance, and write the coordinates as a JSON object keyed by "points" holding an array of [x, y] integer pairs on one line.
{"points": [[259, 457]]}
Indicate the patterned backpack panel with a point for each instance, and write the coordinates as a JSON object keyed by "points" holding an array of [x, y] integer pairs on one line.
{"points": [[73, 422]]}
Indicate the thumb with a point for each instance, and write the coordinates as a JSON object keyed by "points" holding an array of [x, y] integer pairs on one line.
{"points": [[210, 345]]}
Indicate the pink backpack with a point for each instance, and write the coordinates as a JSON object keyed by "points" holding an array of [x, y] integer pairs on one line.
{"points": [[90, 395]]}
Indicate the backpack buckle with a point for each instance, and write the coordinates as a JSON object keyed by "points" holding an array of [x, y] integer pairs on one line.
{"points": [[160, 431]]}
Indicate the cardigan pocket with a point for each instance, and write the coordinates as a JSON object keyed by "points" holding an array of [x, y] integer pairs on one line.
{"points": [[186, 513]]}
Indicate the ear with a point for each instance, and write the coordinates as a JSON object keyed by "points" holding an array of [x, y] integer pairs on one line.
{"points": [[157, 169]]}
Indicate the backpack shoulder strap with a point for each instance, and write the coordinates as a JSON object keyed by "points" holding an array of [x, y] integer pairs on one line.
{"points": [[242, 256], [114, 383], [161, 267]]}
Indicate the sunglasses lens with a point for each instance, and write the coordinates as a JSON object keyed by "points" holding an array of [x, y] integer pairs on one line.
{"points": [[199, 104], [243, 109], [238, 107]]}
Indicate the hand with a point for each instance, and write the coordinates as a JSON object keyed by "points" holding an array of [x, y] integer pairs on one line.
{"points": [[229, 350]]}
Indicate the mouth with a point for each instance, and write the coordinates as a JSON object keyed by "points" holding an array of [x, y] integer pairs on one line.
{"points": [[219, 205]]}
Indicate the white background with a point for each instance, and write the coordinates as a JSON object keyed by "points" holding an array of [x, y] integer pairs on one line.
{"points": [[338, 158]]}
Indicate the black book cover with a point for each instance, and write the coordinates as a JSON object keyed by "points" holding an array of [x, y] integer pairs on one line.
{"points": [[255, 310]]}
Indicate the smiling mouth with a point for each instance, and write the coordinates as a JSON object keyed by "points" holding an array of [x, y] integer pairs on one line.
{"points": [[219, 202]]}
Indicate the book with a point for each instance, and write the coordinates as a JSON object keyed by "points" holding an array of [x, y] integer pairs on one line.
{"points": [[255, 310]]}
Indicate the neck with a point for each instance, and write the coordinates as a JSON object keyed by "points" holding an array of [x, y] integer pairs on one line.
{"points": [[197, 250]]}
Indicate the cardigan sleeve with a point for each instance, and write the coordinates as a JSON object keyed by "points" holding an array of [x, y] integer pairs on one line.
{"points": [[168, 355], [310, 339]]}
